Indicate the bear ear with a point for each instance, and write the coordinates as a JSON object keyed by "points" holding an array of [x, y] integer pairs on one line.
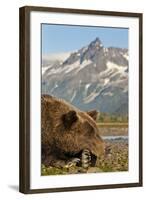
{"points": [[93, 114], [69, 118]]}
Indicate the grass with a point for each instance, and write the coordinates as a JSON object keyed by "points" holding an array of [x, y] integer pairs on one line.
{"points": [[113, 124], [113, 129], [52, 171]]}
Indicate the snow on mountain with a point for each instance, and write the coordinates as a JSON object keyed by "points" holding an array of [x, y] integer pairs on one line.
{"points": [[49, 59], [94, 77]]}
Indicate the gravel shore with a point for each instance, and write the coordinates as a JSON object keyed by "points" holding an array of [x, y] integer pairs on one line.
{"points": [[116, 156]]}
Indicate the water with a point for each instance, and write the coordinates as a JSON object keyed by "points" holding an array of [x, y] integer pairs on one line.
{"points": [[116, 138]]}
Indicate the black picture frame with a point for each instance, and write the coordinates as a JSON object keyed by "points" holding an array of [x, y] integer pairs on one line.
{"points": [[24, 77]]}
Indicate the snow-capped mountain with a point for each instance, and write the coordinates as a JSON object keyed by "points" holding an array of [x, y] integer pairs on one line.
{"points": [[94, 77], [53, 58]]}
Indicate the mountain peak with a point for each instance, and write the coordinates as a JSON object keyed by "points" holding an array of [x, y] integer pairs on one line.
{"points": [[91, 77], [96, 43]]}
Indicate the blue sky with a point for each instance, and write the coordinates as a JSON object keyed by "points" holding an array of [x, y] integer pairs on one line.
{"points": [[64, 38]]}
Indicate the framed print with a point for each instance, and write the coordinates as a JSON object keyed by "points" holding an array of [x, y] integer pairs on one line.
{"points": [[80, 99]]}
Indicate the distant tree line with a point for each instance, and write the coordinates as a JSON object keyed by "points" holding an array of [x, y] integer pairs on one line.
{"points": [[106, 117]]}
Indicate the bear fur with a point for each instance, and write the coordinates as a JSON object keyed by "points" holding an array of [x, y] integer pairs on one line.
{"points": [[66, 131]]}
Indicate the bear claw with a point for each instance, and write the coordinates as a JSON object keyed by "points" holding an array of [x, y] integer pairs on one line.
{"points": [[72, 162], [86, 158]]}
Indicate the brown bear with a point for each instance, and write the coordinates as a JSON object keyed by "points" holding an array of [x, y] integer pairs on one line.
{"points": [[68, 135]]}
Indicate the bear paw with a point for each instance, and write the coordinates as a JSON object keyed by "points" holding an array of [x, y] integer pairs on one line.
{"points": [[86, 158]]}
